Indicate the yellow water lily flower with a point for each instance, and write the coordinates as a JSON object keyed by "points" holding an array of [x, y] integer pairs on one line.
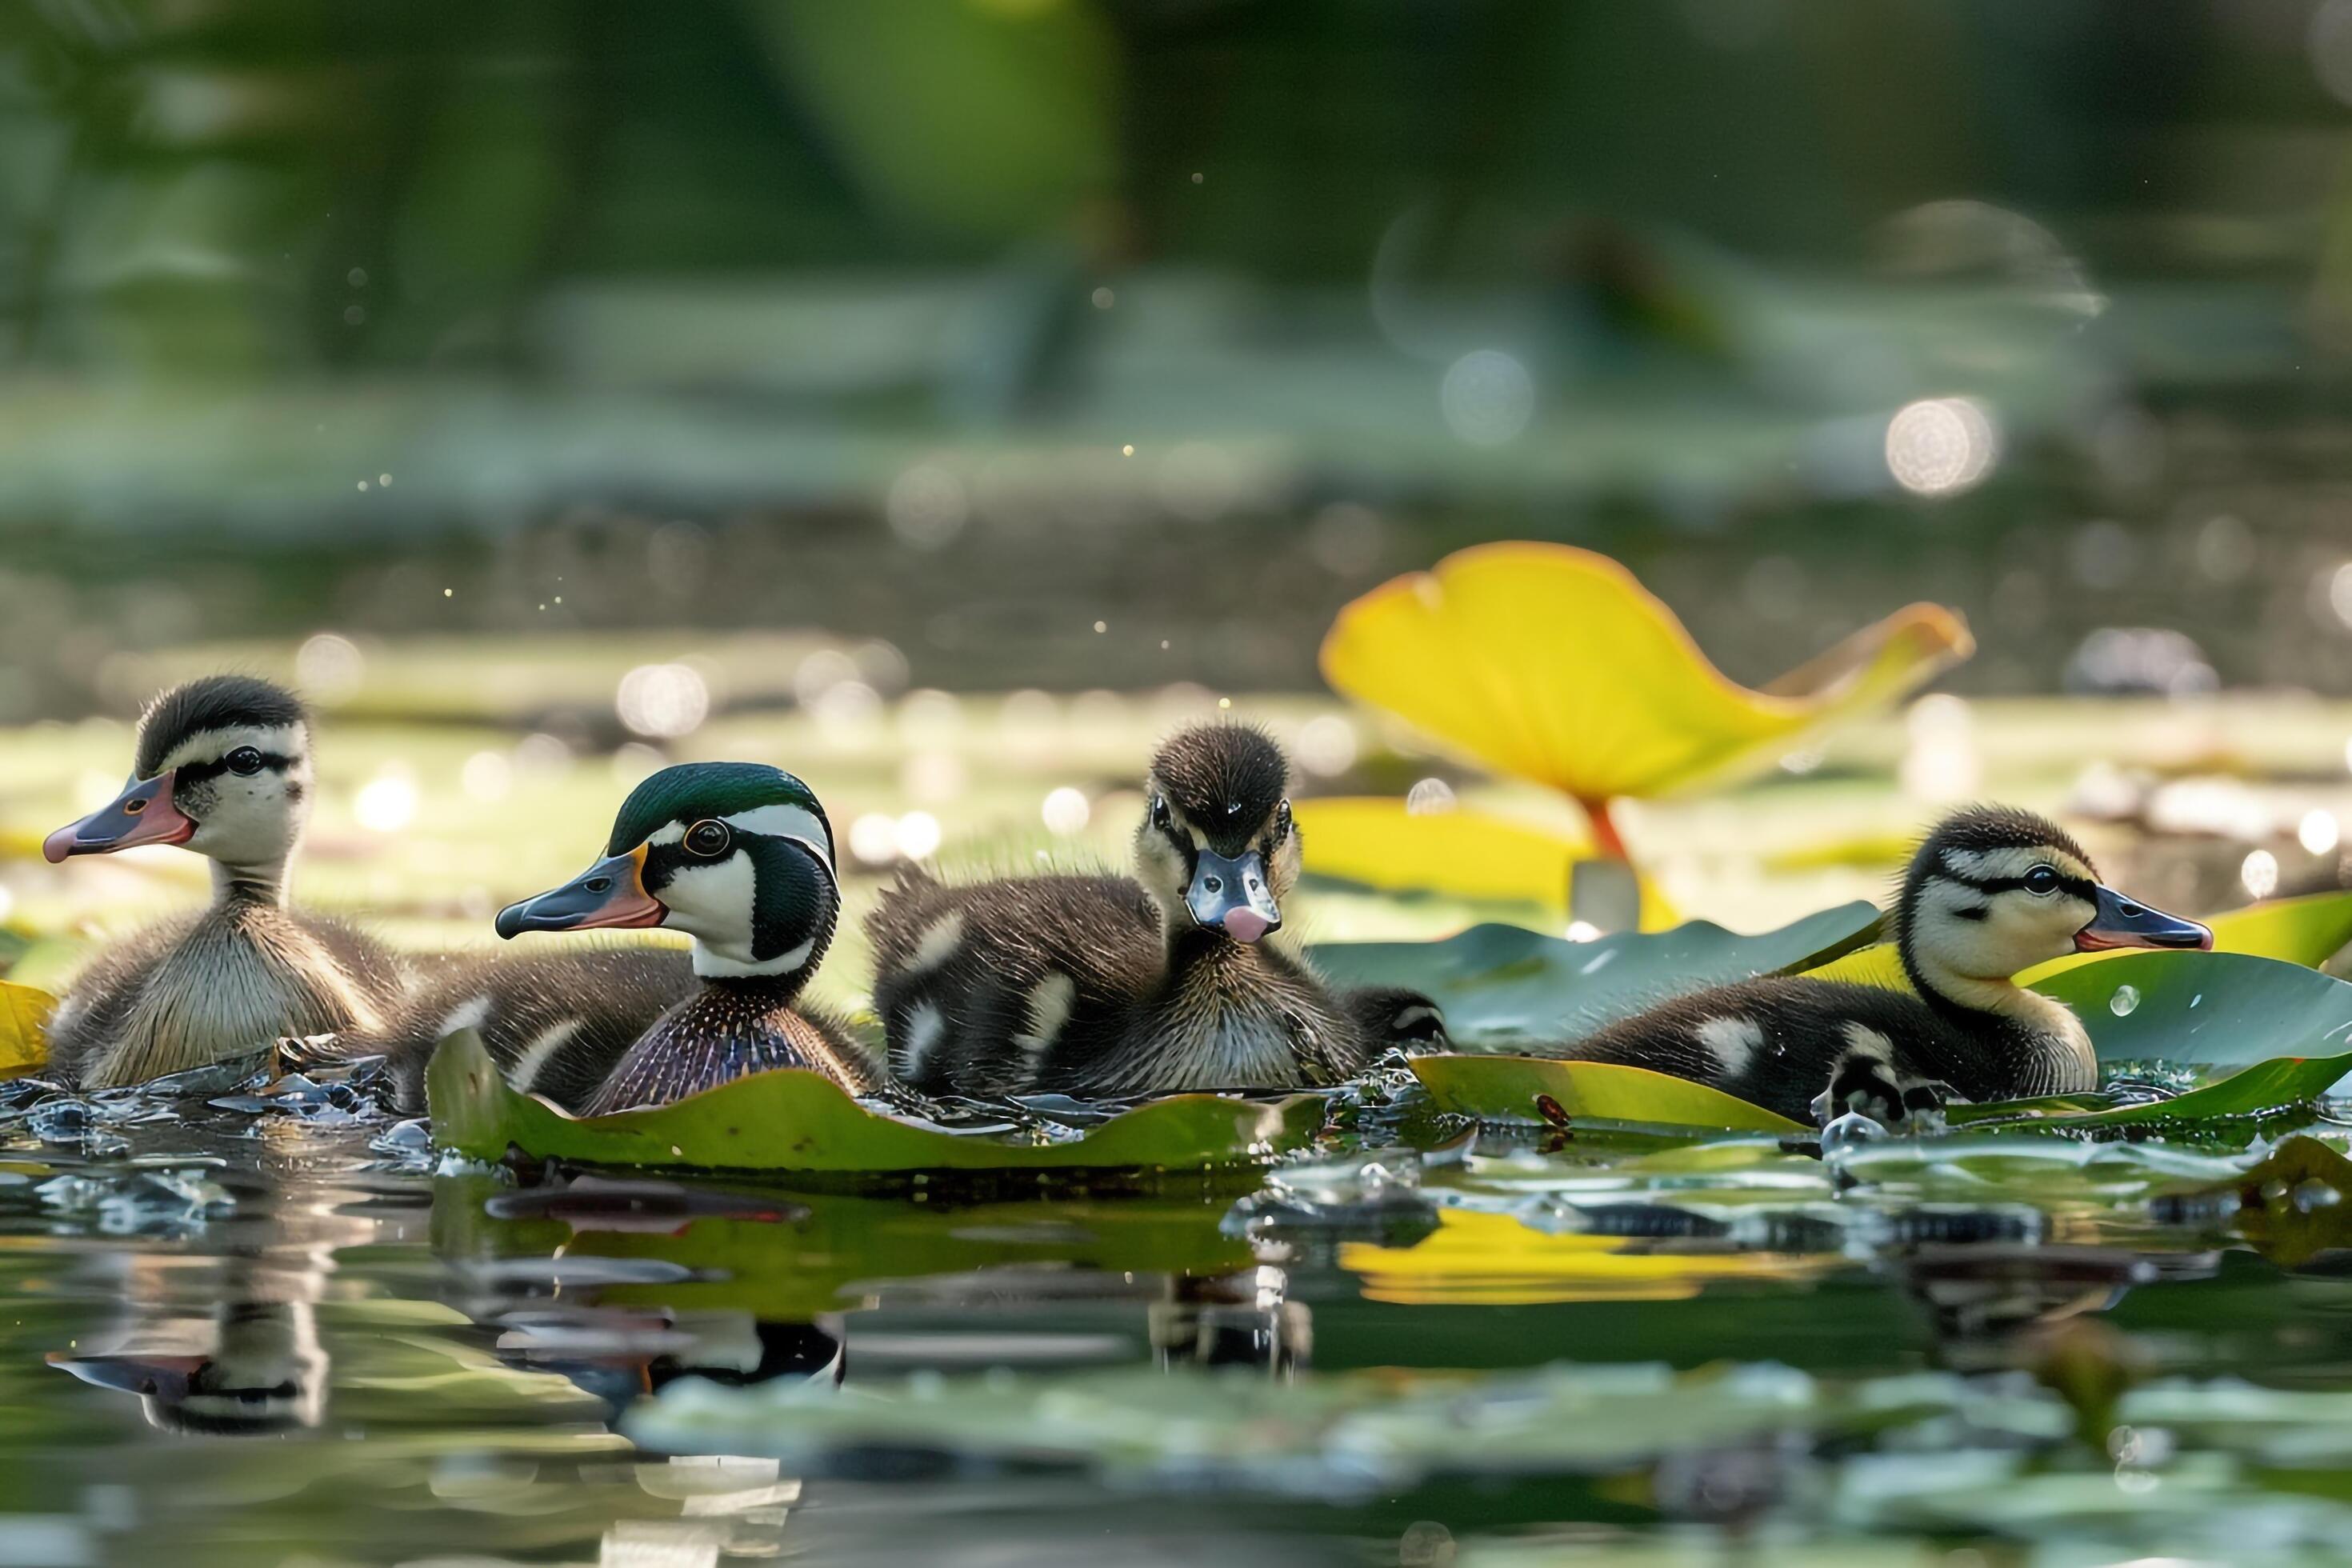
{"points": [[1553, 664]]}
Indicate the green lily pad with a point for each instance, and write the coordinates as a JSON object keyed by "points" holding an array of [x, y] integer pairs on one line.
{"points": [[1500, 984], [2206, 1009], [1518, 1088], [795, 1121]]}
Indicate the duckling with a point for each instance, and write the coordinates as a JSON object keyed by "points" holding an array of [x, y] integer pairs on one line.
{"points": [[740, 857], [555, 1023], [222, 768], [1991, 891], [1107, 986]]}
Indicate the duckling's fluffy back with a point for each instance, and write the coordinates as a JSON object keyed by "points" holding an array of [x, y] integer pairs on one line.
{"points": [[556, 1023], [974, 982]]}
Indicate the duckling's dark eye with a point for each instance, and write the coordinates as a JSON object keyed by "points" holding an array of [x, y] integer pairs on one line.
{"points": [[1159, 817], [707, 838], [2042, 881], [244, 760], [1282, 822]]}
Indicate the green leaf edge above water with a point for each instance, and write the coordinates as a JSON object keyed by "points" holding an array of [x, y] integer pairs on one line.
{"points": [[1508, 1087], [2259, 1003], [797, 1121], [1590, 983]]}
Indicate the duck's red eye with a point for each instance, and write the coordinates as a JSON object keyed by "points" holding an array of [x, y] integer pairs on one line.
{"points": [[708, 839]]}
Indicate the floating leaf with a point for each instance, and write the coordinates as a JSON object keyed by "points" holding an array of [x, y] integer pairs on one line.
{"points": [[2308, 930], [1492, 1259], [1499, 984], [2205, 1009], [798, 1121], [1377, 843], [24, 1028], [1524, 1089], [1553, 664]]}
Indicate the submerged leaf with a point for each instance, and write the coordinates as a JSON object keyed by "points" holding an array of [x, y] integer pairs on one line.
{"points": [[1492, 1259], [2292, 1205], [1378, 843], [817, 1255], [1500, 984], [793, 1120], [1553, 664], [24, 1028]]}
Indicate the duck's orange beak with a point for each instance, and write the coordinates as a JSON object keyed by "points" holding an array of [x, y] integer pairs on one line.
{"points": [[141, 813]]}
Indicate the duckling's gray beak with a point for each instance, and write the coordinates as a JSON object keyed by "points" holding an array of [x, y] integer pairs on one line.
{"points": [[1230, 895], [141, 813], [611, 892], [2124, 922]]}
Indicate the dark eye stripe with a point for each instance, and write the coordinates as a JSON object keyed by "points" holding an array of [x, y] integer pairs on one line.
{"points": [[2082, 888], [197, 773]]}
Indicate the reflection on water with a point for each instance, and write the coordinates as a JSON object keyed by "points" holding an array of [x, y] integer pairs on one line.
{"points": [[279, 1349]]}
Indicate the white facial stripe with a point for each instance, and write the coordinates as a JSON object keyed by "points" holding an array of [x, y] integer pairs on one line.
{"points": [[1995, 865], [786, 823], [212, 745]]}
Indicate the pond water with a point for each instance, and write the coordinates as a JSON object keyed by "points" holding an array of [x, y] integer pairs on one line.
{"points": [[241, 1338]]}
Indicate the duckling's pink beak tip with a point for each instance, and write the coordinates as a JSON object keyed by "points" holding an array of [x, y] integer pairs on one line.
{"points": [[1247, 925]]}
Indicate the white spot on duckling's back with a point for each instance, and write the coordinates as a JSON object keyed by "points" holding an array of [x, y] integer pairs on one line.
{"points": [[1733, 1042], [467, 1015], [534, 1058], [1864, 1041], [938, 943], [1049, 1009], [912, 1048]]}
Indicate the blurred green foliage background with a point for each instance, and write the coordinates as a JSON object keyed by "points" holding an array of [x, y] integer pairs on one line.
{"points": [[967, 323]]}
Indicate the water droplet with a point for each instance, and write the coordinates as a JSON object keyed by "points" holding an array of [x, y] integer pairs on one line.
{"points": [[2126, 998]]}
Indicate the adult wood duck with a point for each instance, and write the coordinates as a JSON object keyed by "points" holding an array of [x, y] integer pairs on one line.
{"points": [[222, 768], [1992, 891], [740, 857], [1107, 986]]}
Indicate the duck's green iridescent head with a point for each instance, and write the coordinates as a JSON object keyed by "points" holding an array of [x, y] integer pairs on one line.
{"points": [[738, 855]]}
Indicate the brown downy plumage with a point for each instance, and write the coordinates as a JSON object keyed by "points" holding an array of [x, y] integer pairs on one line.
{"points": [[555, 1023], [1107, 986], [740, 857], [223, 768], [1990, 892]]}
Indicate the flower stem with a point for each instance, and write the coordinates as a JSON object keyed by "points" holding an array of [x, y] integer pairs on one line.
{"points": [[1604, 831]]}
